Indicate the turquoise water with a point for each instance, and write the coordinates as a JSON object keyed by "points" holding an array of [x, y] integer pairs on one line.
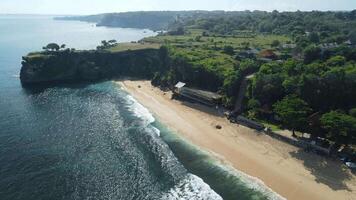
{"points": [[93, 141]]}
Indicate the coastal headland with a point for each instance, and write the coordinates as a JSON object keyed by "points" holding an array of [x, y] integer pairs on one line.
{"points": [[292, 79], [285, 169]]}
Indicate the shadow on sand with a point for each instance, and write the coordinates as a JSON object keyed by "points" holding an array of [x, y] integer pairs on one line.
{"points": [[325, 170]]}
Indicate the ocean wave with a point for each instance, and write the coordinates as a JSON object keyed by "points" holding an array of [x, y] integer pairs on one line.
{"points": [[216, 163], [187, 186], [156, 131], [140, 111], [191, 188], [253, 183]]}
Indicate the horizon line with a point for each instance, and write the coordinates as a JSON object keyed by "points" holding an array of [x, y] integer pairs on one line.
{"points": [[99, 13]]}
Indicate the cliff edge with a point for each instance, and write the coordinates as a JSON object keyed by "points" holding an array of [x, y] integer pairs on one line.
{"points": [[79, 66]]}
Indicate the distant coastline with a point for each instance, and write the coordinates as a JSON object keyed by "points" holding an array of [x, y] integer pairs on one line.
{"points": [[280, 75]]}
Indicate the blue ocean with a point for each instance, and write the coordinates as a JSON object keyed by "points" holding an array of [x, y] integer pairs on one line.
{"points": [[94, 141]]}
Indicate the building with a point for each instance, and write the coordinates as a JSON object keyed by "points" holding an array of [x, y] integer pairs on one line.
{"points": [[267, 60], [249, 123], [195, 95], [268, 54], [250, 53], [348, 42], [289, 46], [325, 46]]}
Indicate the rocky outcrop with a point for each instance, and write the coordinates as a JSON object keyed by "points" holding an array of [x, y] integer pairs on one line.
{"points": [[77, 66]]}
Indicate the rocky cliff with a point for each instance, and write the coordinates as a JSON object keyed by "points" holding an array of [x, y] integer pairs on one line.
{"points": [[77, 66]]}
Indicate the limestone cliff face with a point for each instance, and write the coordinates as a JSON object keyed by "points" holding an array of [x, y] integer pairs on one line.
{"points": [[69, 66]]}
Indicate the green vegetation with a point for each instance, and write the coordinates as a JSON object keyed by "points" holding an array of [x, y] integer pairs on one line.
{"points": [[340, 127], [133, 46], [69, 65], [303, 63], [53, 47], [107, 44], [154, 20], [293, 112], [324, 85], [271, 126], [189, 39]]}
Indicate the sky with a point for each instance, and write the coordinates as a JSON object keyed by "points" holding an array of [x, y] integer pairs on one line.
{"points": [[84, 7]]}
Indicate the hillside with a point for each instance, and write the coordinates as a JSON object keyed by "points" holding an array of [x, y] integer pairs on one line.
{"points": [[304, 63], [154, 20]]}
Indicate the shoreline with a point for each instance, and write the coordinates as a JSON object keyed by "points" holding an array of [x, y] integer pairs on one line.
{"points": [[280, 166]]}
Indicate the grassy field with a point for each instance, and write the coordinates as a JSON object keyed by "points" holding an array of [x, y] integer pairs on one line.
{"points": [[134, 46], [273, 127], [37, 55], [194, 38]]}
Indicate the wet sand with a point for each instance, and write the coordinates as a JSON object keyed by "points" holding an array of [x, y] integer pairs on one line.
{"points": [[286, 169]]}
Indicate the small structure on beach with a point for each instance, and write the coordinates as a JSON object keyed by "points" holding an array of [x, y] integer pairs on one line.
{"points": [[249, 123], [195, 95]]}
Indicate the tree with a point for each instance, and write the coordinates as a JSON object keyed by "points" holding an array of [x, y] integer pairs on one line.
{"points": [[106, 44], [340, 127], [63, 46], [336, 61], [253, 105], [112, 41], [245, 45], [311, 54], [275, 43], [293, 112], [314, 37], [198, 38], [180, 30], [229, 50], [352, 37], [352, 112], [177, 31], [52, 47]]}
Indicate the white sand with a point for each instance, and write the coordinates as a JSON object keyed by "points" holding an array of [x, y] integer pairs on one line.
{"points": [[282, 167]]}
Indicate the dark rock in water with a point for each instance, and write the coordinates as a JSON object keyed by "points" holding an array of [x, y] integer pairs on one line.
{"points": [[82, 66]]}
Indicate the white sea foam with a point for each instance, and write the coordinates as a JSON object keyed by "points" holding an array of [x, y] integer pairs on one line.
{"points": [[253, 183], [250, 182], [143, 113], [140, 111], [191, 188], [194, 187], [156, 130]]}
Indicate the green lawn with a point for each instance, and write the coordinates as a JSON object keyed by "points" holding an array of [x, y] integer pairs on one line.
{"points": [[190, 40], [37, 55], [273, 127], [134, 46]]}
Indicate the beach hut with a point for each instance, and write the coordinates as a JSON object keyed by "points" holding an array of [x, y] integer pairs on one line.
{"points": [[201, 96], [249, 123], [268, 54]]}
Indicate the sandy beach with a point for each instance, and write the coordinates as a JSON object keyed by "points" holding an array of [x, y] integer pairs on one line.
{"points": [[287, 170]]}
